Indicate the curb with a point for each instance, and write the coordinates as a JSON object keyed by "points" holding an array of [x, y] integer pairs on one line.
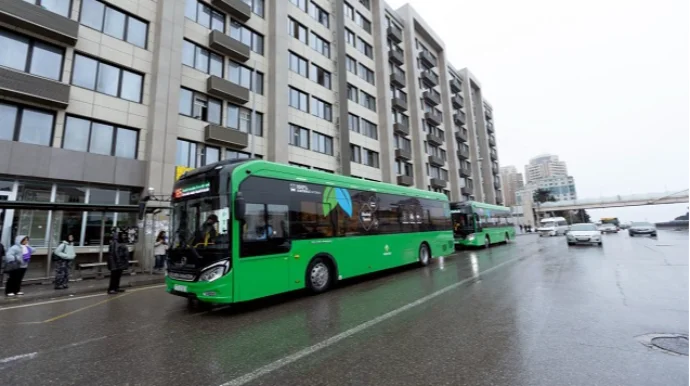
{"points": [[52, 295]]}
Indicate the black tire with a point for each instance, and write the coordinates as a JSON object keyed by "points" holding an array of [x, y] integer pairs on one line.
{"points": [[319, 275], [653, 234], [600, 244], [570, 244], [487, 242], [507, 238], [631, 234], [196, 305], [424, 256]]}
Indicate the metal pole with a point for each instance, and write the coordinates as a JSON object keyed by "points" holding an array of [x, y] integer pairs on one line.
{"points": [[100, 249], [252, 123]]}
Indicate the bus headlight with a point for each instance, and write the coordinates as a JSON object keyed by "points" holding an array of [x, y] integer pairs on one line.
{"points": [[214, 272], [470, 237]]}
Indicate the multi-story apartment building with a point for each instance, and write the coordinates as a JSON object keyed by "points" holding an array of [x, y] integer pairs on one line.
{"points": [[512, 183], [102, 100], [544, 166]]}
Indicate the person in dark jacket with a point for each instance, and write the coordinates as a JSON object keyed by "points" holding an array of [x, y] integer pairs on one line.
{"points": [[118, 261]]}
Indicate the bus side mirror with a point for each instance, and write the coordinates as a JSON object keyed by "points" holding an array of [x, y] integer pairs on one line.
{"points": [[240, 207]]}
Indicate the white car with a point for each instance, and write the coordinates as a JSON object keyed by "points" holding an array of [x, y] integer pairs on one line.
{"points": [[584, 233], [552, 226], [608, 228]]}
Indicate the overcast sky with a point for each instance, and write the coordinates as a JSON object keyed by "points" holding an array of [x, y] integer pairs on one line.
{"points": [[602, 84]]}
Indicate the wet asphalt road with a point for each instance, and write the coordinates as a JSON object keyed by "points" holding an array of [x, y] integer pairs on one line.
{"points": [[534, 312]]}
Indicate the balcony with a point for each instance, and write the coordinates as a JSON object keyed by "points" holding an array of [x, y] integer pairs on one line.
{"points": [[463, 153], [488, 113], [429, 78], [427, 59], [493, 154], [458, 101], [459, 118], [490, 127], [455, 85], [436, 161], [438, 183], [238, 9], [465, 191], [495, 169], [401, 128], [465, 172], [394, 34], [497, 185], [461, 135], [403, 154], [405, 180], [228, 46], [396, 57], [22, 15], [33, 89], [433, 98], [399, 104], [227, 90], [434, 119], [492, 141], [398, 79], [434, 139], [224, 136]]}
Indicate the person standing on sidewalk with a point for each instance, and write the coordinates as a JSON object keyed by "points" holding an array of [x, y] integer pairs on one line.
{"points": [[118, 261], [160, 250], [16, 262], [64, 254]]}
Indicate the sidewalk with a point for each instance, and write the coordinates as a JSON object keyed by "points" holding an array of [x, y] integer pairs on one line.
{"points": [[33, 292]]}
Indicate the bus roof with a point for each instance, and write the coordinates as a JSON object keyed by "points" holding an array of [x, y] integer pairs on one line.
{"points": [[477, 204], [294, 173]]}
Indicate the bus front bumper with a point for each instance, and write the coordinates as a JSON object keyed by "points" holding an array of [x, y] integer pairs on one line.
{"points": [[218, 291]]}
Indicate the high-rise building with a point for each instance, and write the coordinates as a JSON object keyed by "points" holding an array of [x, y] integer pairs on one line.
{"points": [[104, 99], [544, 166], [512, 183]]}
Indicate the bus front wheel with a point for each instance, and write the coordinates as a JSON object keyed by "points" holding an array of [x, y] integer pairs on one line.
{"points": [[424, 255], [319, 275]]}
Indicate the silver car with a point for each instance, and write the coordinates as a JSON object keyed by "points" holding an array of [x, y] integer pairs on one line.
{"points": [[585, 233], [642, 228]]}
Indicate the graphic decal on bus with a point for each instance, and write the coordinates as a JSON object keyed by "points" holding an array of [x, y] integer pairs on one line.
{"points": [[332, 197]]}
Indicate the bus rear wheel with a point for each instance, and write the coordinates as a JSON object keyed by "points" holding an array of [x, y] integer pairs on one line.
{"points": [[424, 255], [318, 275], [487, 242]]}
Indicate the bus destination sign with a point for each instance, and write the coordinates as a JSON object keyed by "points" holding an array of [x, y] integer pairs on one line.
{"points": [[197, 188]]}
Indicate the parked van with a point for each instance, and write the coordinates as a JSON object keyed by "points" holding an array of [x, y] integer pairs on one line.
{"points": [[552, 226]]}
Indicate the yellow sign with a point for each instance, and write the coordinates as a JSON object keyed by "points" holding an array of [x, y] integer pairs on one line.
{"points": [[180, 170]]}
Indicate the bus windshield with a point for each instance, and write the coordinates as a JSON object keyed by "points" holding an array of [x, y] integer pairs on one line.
{"points": [[462, 220]]}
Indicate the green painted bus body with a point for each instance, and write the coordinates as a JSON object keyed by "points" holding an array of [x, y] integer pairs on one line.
{"points": [[496, 234], [260, 276]]}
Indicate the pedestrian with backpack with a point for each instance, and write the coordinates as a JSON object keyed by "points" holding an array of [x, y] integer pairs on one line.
{"points": [[63, 256]]}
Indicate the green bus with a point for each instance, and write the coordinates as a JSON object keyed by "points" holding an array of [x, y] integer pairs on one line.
{"points": [[246, 229], [476, 224]]}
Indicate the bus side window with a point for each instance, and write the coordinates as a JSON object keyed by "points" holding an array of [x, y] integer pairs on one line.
{"points": [[265, 230]]}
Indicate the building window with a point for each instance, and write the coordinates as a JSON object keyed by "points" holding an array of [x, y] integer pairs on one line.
{"points": [[85, 135], [301, 4], [240, 118], [320, 76], [352, 93], [353, 122], [298, 64], [107, 79], [320, 45], [233, 154], [349, 11], [365, 48], [318, 14], [202, 59], [366, 74], [369, 129], [299, 136], [249, 38], [300, 165], [324, 170], [355, 154], [24, 124], [363, 22], [61, 7], [366, 3], [299, 100], [367, 101], [204, 15], [351, 64], [30, 55], [350, 37], [321, 143], [370, 158], [186, 154], [402, 143], [199, 106], [112, 22], [321, 109], [297, 30], [242, 76], [257, 6], [399, 117], [403, 168]]}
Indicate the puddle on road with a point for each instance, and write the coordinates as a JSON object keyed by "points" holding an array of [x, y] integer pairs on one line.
{"points": [[675, 344]]}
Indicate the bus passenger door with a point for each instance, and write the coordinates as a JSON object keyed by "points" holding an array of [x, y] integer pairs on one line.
{"points": [[262, 268]]}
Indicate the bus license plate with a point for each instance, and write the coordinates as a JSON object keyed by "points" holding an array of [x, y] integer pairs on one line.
{"points": [[180, 288]]}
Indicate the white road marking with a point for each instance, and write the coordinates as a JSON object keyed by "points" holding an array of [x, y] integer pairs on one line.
{"points": [[18, 357], [261, 371]]}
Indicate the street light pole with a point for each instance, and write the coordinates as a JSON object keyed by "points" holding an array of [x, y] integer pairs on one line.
{"points": [[252, 122]]}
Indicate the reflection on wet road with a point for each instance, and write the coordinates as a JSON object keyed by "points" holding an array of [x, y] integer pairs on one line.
{"points": [[534, 312]]}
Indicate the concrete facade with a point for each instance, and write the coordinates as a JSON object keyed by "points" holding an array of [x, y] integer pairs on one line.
{"points": [[420, 121], [512, 182], [545, 166]]}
